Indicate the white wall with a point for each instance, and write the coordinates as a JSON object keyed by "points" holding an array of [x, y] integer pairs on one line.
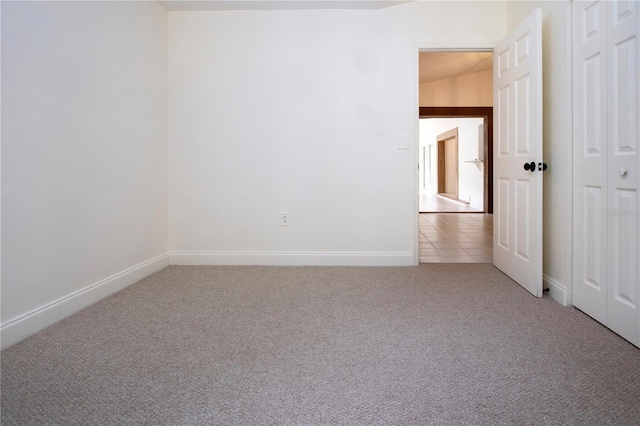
{"points": [[84, 155], [464, 90], [470, 175], [556, 40], [300, 111]]}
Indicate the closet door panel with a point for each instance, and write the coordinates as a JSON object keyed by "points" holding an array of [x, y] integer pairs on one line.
{"points": [[623, 276], [590, 158]]}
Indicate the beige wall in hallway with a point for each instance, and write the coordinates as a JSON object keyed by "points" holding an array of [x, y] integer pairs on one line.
{"points": [[465, 90]]}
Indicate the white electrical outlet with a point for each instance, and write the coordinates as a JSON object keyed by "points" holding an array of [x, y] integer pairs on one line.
{"points": [[284, 219]]}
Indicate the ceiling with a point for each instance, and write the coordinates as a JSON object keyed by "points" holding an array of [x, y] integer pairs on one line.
{"points": [[182, 5], [440, 65]]}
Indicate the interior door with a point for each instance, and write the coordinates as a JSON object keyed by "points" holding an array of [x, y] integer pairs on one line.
{"points": [[517, 91]]}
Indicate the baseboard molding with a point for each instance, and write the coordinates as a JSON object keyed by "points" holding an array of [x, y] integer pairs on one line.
{"points": [[557, 291], [17, 329], [291, 258]]}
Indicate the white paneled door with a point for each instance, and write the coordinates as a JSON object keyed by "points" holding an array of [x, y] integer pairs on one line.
{"points": [[517, 158], [590, 159], [606, 233]]}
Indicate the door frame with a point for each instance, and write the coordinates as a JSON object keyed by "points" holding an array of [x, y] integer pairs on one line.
{"points": [[472, 112], [415, 183]]}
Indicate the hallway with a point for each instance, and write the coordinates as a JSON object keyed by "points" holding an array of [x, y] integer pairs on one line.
{"points": [[430, 202]]}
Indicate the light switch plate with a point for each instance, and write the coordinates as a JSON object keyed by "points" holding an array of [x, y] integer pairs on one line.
{"points": [[403, 143]]}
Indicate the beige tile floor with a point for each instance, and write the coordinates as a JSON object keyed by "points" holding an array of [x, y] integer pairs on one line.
{"points": [[456, 238]]}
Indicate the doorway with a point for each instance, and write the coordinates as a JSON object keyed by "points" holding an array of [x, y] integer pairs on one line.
{"points": [[453, 178], [450, 231], [456, 85], [475, 165]]}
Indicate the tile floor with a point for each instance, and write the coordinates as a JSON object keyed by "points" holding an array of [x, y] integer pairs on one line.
{"points": [[456, 238]]}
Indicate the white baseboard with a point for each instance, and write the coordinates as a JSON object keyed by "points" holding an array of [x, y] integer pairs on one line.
{"points": [[291, 258], [17, 329], [557, 291]]}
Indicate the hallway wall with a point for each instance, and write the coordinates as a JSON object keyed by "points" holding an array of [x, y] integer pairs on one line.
{"points": [[465, 90], [470, 144]]}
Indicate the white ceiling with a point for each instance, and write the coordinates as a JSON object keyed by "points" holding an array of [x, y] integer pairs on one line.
{"points": [[182, 5], [440, 65]]}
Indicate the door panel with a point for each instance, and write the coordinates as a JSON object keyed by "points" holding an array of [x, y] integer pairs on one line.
{"points": [[623, 315], [593, 120], [590, 159], [523, 207], [592, 236], [606, 233], [523, 116], [502, 211], [504, 121], [517, 240]]}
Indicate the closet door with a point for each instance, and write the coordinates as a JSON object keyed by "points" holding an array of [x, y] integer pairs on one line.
{"points": [[606, 176], [623, 277], [590, 158]]}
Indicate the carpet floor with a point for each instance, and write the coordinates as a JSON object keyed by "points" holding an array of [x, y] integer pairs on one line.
{"points": [[432, 344]]}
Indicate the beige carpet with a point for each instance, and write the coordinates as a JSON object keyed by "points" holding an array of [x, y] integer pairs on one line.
{"points": [[434, 344]]}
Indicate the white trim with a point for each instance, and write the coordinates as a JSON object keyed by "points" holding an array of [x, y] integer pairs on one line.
{"points": [[465, 47], [557, 291], [568, 165], [19, 328], [415, 160], [273, 258]]}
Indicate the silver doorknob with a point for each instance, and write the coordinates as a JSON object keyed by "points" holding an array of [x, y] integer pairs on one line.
{"points": [[622, 171]]}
